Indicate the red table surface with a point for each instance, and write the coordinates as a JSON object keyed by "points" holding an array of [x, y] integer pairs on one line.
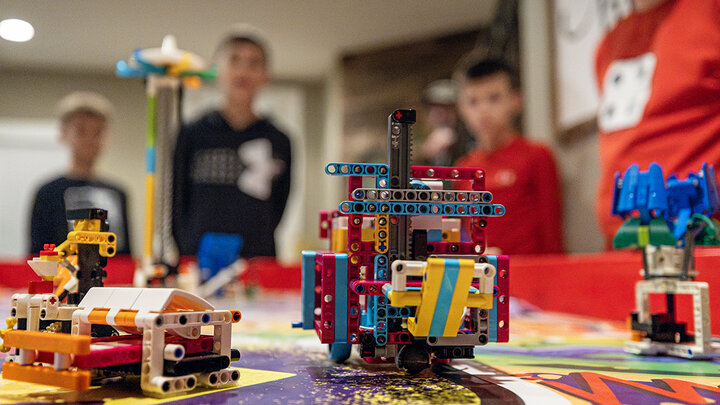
{"points": [[599, 285]]}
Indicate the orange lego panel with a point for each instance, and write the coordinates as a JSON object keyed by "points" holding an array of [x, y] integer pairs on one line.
{"points": [[48, 342], [73, 380]]}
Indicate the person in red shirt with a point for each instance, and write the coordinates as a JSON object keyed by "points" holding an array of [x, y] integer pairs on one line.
{"points": [[520, 174], [658, 71]]}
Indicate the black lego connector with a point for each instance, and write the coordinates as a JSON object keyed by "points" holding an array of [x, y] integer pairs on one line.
{"points": [[86, 213], [404, 116]]}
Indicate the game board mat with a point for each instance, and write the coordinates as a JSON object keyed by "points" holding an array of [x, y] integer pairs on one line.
{"points": [[552, 359]]}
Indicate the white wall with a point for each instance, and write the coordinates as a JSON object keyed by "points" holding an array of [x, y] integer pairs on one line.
{"points": [[29, 149], [32, 95], [578, 161]]}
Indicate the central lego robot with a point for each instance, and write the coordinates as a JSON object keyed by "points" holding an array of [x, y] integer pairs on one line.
{"points": [[406, 277]]}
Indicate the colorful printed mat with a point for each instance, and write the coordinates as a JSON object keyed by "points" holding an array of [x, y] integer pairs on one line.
{"points": [[553, 359]]}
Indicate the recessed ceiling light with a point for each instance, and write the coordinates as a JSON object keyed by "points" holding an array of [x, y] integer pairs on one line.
{"points": [[16, 30]]}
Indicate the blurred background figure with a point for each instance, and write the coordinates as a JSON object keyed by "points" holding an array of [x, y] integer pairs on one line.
{"points": [[329, 91], [658, 72], [445, 141], [521, 174], [84, 127], [231, 167]]}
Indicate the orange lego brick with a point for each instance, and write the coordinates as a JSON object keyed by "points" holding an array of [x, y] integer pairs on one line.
{"points": [[48, 342], [122, 318], [73, 380]]}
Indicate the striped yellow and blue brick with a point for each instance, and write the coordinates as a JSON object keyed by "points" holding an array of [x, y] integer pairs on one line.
{"points": [[444, 296]]}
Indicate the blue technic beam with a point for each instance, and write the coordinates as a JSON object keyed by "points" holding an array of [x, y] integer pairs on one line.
{"points": [[420, 208]]}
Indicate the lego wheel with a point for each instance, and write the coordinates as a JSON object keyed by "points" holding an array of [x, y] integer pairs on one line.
{"points": [[339, 352], [414, 358]]}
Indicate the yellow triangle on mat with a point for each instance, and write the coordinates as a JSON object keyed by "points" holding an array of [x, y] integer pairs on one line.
{"points": [[122, 392]]}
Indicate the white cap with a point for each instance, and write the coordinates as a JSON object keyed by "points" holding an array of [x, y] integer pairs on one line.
{"points": [[441, 92], [247, 31], [84, 101]]}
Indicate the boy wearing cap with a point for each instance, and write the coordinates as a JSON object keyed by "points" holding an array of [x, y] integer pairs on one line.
{"points": [[232, 168], [84, 124]]}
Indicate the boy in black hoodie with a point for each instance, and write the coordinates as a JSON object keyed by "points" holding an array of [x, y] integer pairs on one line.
{"points": [[231, 167]]}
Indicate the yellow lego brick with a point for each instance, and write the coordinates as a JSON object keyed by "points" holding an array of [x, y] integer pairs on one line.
{"points": [[643, 235], [476, 300], [451, 235], [432, 280], [48, 342], [339, 240], [460, 296], [90, 225], [149, 214], [106, 241], [404, 298], [412, 327], [412, 299], [451, 229], [72, 380], [367, 234]]}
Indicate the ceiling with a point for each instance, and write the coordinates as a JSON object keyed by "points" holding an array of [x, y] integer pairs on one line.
{"points": [[306, 36]]}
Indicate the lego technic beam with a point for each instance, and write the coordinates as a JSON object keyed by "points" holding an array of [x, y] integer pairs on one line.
{"points": [[415, 195], [415, 208], [399, 154]]}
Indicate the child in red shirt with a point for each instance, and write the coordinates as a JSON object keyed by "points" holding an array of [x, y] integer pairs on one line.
{"points": [[658, 72], [520, 174]]}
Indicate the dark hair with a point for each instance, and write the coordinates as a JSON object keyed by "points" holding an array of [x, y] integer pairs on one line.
{"points": [[234, 40], [489, 67]]}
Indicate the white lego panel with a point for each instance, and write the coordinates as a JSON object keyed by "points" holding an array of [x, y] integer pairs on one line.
{"points": [[43, 268], [159, 299], [123, 298], [96, 297]]}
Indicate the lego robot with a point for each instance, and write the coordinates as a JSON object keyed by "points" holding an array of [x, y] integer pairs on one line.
{"points": [[666, 220], [100, 332], [165, 70], [403, 280]]}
